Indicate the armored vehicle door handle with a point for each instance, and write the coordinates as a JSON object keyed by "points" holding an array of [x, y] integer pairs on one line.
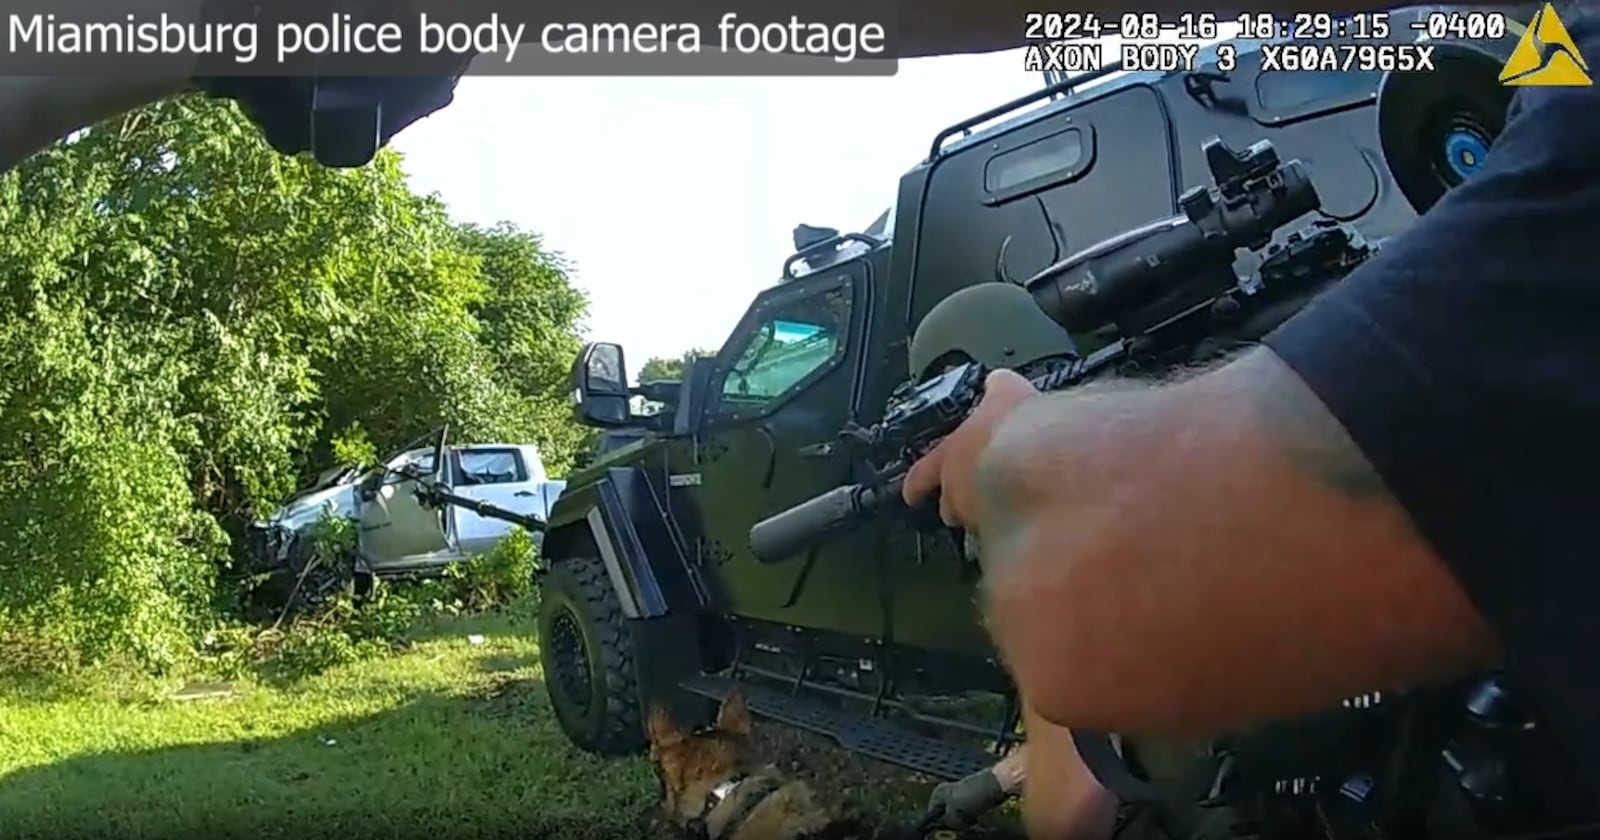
{"points": [[818, 450], [523, 493]]}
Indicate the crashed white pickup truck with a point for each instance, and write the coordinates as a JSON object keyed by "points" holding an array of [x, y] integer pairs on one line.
{"points": [[396, 533]]}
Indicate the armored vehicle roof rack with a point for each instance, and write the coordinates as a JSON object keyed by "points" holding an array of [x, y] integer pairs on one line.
{"points": [[1063, 88], [823, 252]]}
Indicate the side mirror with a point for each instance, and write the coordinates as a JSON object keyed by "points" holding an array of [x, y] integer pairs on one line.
{"points": [[367, 488], [600, 385]]}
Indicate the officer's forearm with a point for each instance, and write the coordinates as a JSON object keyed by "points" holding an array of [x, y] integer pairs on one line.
{"points": [[37, 111], [1208, 554], [1060, 797]]}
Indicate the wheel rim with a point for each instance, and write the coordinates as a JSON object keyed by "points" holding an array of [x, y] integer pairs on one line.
{"points": [[570, 661], [1465, 144]]}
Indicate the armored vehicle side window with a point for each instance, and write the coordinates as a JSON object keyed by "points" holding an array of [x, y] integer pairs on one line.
{"points": [[1056, 154], [1284, 95], [793, 341]]}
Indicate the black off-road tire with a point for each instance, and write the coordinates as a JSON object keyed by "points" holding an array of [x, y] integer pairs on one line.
{"points": [[594, 685]]}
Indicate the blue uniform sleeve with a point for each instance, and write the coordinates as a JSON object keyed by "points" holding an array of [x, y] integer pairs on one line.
{"points": [[1464, 360]]}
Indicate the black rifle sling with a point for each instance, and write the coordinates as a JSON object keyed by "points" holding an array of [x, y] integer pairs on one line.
{"points": [[1110, 770]]}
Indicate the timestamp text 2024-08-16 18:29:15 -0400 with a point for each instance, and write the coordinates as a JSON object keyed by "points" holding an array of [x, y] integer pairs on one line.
{"points": [[1070, 42], [1261, 26]]}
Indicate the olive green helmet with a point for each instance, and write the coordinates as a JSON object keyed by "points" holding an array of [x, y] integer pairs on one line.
{"points": [[995, 324]]}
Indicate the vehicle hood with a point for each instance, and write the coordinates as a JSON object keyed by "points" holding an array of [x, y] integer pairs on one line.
{"points": [[307, 509]]}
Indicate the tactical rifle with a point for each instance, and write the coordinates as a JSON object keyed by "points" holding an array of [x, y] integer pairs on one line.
{"points": [[1168, 288]]}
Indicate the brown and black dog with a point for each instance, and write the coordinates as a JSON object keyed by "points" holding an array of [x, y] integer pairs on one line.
{"points": [[715, 787]]}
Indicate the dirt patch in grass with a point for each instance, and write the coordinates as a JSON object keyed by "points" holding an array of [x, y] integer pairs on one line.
{"points": [[509, 696]]}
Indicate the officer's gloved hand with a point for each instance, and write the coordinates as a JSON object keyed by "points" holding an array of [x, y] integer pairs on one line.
{"points": [[960, 804]]}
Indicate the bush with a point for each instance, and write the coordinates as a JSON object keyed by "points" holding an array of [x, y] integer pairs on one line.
{"points": [[311, 636], [499, 576], [192, 325]]}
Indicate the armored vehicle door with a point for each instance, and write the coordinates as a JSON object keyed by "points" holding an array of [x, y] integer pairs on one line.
{"points": [[784, 384]]}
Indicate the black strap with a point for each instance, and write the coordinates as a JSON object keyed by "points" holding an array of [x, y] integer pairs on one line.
{"points": [[1110, 770]]}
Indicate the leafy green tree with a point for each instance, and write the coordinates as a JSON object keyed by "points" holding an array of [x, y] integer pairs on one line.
{"points": [[529, 320], [191, 325], [658, 368]]}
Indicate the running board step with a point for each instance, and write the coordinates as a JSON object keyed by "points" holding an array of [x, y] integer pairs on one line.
{"points": [[871, 737]]}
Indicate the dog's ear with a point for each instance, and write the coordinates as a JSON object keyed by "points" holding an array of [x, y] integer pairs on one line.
{"points": [[663, 730], [734, 716]]}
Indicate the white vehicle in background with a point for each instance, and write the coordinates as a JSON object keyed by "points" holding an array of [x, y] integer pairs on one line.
{"points": [[397, 534]]}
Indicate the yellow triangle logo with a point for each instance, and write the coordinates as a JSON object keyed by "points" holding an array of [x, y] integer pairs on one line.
{"points": [[1546, 56]]}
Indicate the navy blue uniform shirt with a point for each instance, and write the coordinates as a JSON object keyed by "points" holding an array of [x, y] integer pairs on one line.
{"points": [[1464, 359]]}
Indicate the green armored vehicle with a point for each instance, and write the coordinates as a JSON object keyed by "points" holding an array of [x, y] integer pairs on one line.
{"points": [[653, 592]]}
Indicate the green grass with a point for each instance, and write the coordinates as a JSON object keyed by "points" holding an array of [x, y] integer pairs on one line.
{"points": [[446, 740]]}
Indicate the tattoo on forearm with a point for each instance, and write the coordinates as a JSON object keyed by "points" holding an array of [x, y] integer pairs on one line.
{"points": [[998, 513], [1003, 509], [1305, 432]]}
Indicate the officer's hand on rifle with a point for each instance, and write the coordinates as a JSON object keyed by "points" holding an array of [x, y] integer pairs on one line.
{"points": [[951, 467]]}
